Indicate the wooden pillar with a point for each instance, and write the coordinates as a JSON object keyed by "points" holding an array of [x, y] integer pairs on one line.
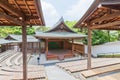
{"points": [[24, 50], [89, 48], [32, 48], [39, 48], [46, 47], [6, 47], [72, 46]]}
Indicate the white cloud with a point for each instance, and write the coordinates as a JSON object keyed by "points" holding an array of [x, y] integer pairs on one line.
{"points": [[76, 11], [50, 13]]}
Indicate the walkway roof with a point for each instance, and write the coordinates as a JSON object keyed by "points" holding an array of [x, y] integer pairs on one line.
{"points": [[102, 14], [15, 12]]}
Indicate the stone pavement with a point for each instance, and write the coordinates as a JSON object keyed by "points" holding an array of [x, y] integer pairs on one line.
{"points": [[54, 73]]}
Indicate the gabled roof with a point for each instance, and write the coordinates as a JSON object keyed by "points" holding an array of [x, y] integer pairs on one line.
{"points": [[102, 14], [60, 26], [18, 38], [15, 12], [59, 31]]}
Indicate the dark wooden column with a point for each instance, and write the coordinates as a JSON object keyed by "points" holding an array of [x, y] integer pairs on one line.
{"points": [[89, 48], [24, 50], [32, 50], [72, 46], [46, 45], [39, 48], [6, 46]]}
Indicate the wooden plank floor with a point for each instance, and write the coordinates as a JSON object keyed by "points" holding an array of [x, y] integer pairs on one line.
{"points": [[115, 76], [101, 70]]}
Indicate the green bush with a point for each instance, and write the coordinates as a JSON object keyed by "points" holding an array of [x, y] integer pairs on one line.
{"points": [[109, 56]]}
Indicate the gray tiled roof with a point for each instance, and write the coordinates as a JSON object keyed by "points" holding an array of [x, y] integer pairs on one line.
{"points": [[3, 41], [65, 35], [18, 38]]}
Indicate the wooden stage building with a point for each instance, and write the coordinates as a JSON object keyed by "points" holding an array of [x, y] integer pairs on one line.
{"points": [[59, 41]]}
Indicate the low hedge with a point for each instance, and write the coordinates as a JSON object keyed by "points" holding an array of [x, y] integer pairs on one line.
{"points": [[109, 56]]}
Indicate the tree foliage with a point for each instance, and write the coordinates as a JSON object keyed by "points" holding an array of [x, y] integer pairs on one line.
{"points": [[70, 24], [4, 31], [42, 28], [101, 36]]}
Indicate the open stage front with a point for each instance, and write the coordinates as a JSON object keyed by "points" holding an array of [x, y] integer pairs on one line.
{"points": [[59, 54]]}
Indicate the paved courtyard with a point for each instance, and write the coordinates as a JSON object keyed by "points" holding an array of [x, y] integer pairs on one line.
{"points": [[54, 73]]}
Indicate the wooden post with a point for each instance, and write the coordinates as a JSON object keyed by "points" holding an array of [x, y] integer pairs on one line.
{"points": [[39, 47], [72, 46], [24, 50], [89, 49], [32, 48], [46, 46], [6, 47]]}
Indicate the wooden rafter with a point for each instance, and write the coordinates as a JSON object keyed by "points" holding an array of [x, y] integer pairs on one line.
{"points": [[106, 25], [107, 17], [11, 9], [27, 7], [16, 4], [4, 11], [9, 18]]}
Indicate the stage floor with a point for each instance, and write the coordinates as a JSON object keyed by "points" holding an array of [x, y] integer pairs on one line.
{"points": [[59, 51], [59, 54]]}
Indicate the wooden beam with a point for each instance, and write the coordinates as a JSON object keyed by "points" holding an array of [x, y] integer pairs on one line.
{"points": [[24, 50], [9, 18], [106, 25], [110, 28], [11, 9], [107, 17], [8, 24], [89, 48]]}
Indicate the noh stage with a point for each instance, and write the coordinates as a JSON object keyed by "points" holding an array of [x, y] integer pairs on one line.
{"points": [[58, 42]]}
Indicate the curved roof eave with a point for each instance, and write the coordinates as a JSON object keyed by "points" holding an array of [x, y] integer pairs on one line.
{"points": [[90, 10]]}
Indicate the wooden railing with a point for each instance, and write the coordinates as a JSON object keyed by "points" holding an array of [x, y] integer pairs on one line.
{"points": [[80, 48]]}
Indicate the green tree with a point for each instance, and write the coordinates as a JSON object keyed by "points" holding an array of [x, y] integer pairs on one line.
{"points": [[70, 24], [101, 36], [42, 28], [4, 31]]}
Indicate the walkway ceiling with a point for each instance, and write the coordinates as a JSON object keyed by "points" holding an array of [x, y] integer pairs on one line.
{"points": [[102, 15], [19, 12]]}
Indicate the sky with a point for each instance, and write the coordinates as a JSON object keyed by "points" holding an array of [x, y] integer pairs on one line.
{"points": [[70, 10]]}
